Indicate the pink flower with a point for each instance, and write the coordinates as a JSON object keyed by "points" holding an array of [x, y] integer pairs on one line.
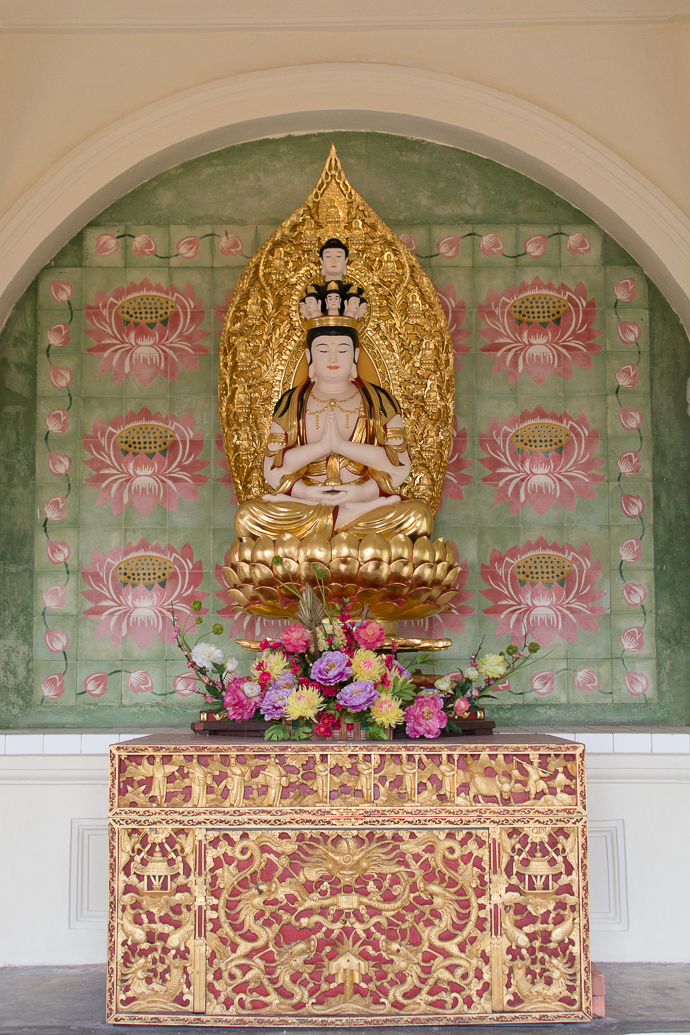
{"points": [[58, 335], [140, 682], [630, 418], [59, 464], [628, 331], [222, 308], [632, 506], [631, 550], [501, 687], [54, 597], [238, 706], [578, 244], [636, 683], [539, 329], [448, 247], [60, 377], [540, 590], [185, 686], [541, 459], [536, 246], [633, 639], [58, 552], [410, 243], [454, 313], [56, 508], [132, 591], [543, 683], [296, 639], [455, 478], [188, 247], [57, 640], [106, 244], [586, 679], [53, 686], [61, 290], [144, 244], [96, 684], [425, 716], [57, 421], [634, 594], [145, 459], [491, 244], [370, 635], [222, 462], [625, 290], [629, 463], [627, 376], [462, 705], [146, 330], [230, 244]]}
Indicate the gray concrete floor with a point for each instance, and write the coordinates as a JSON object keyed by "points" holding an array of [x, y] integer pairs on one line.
{"points": [[640, 998]]}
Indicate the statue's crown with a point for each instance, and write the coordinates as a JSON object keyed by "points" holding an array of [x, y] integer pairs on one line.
{"points": [[331, 321]]}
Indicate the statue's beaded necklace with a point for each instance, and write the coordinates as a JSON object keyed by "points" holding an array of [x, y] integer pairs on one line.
{"points": [[332, 404]]}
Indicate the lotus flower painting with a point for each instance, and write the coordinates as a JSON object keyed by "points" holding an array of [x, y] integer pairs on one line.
{"points": [[541, 460], [145, 459], [543, 590], [535, 330], [146, 329]]}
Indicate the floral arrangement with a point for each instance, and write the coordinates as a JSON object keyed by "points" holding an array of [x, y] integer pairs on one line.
{"points": [[330, 668]]}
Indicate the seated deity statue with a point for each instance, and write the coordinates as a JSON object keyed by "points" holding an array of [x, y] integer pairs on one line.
{"points": [[336, 452]]}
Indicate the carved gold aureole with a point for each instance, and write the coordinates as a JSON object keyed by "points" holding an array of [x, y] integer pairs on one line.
{"points": [[408, 884], [405, 348]]}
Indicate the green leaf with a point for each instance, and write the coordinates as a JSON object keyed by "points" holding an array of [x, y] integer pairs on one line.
{"points": [[376, 732], [277, 732], [403, 688]]}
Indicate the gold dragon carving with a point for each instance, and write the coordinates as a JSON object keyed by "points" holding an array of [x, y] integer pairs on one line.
{"points": [[404, 335], [253, 885]]}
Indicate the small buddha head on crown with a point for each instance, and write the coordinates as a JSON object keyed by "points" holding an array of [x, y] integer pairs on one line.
{"points": [[333, 255]]}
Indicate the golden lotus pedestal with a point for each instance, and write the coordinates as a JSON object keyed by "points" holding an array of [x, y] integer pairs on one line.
{"points": [[347, 884]]}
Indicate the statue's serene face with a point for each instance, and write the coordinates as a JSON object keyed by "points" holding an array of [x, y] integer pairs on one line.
{"points": [[331, 359], [333, 263]]}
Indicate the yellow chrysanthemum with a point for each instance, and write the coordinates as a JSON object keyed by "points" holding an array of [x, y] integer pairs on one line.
{"points": [[304, 703], [366, 664], [274, 662], [386, 711], [493, 666]]}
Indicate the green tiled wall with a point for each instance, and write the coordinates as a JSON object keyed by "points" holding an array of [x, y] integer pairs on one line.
{"points": [[58, 402]]}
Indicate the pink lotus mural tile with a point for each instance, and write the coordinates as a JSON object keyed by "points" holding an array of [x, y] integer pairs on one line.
{"points": [[145, 330], [454, 312], [222, 461], [457, 464], [541, 459], [145, 459], [539, 329], [543, 590], [132, 591]]}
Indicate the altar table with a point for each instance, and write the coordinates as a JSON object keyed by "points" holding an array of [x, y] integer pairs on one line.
{"points": [[348, 884]]}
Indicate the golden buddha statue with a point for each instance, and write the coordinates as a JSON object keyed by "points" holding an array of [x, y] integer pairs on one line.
{"points": [[342, 455]]}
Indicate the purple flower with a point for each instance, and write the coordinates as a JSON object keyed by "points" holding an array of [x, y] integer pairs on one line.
{"points": [[275, 697], [332, 667], [358, 695]]}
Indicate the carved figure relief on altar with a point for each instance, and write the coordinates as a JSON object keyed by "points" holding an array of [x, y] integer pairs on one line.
{"points": [[336, 398]]}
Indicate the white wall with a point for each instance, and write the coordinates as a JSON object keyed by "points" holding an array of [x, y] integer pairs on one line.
{"points": [[53, 874]]}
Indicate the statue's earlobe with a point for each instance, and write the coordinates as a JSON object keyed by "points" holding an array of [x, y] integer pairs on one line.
{"points": [[354, 371]]}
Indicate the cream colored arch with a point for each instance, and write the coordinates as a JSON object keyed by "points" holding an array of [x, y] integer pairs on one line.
{"points": [[385, 98]]}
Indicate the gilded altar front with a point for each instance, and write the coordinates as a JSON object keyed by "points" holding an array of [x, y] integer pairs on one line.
{"points": [[348, 884]]}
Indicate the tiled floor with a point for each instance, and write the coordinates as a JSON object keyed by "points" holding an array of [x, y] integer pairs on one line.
{"points": [[640, 998]]}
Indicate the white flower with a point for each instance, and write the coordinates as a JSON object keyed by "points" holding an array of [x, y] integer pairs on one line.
{"points": [[251, 689], [472, 674], [443, 684], [231, 665], [205, 655]]}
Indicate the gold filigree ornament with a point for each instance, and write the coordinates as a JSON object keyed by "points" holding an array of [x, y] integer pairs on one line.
{"points": [[405, 348]]}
